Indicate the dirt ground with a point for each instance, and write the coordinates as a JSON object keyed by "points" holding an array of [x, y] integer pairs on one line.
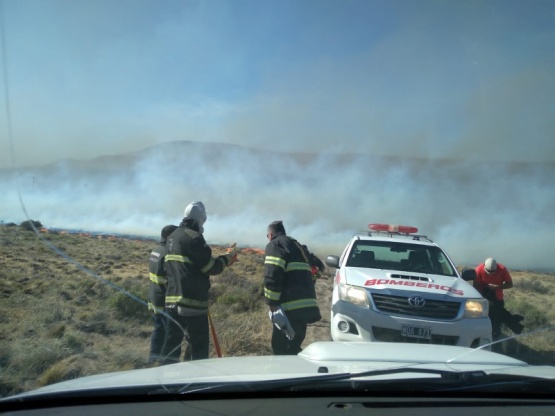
{"points": [[320, 331]]}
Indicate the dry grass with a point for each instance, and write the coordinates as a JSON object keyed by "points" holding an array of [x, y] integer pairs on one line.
{"points": [[60, 322]]}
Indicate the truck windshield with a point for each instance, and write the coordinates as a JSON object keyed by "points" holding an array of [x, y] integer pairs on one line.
{"points": [[404, 257]]}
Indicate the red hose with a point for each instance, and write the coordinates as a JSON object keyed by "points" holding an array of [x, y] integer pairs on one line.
{"points": [[214, 336]]}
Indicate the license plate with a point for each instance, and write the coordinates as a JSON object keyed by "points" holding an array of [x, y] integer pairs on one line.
{"points": [[416, 332]]}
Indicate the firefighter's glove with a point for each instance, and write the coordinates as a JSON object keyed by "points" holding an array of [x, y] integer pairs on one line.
{"points": [[316, 276], [231, 258], [316, 273], [279, 319], [231, 248], [231, 255]]}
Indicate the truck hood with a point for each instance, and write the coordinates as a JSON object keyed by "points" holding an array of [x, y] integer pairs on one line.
{"points": [[387, 280], [320, 357]]}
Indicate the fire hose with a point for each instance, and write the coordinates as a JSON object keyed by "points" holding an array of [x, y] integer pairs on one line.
{"points": [[214, 336]]}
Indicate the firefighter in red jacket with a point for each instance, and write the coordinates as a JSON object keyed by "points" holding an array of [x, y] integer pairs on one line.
{"points": [[288, 286], [492, 279], [157, 294], [189, 265]]}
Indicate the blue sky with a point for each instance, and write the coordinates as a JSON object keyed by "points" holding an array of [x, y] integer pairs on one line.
{"points": [[471, 80], [460, 79], [467, 79]]}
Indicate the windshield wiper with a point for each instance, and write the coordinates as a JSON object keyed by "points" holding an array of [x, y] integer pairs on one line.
{"points": [[444, 381], [317, 381]]}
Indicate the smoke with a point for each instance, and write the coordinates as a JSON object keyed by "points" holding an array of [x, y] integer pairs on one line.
{"points": [[473, 211]]}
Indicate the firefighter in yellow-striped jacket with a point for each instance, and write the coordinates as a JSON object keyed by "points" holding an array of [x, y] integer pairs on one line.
{"points": [[157, 294], [189, 264], [288, 285]]}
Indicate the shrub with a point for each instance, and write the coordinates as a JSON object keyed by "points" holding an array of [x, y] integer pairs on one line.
{"points": [[29, 224], [37, 354], [533, 317], [98, 321], [127, 307], [60, 371], [56, 331], [532, 285], [51, 314], [240, 336], [74, 341], [239, 299], [128, 359]]}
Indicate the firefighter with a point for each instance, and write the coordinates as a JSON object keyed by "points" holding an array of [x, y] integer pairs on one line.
{"points": [[189, 265], [157, 294], [492, 279], [288, 286]]}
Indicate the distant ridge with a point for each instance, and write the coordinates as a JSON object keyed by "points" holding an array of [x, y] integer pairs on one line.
{"points": [[176, 150]]}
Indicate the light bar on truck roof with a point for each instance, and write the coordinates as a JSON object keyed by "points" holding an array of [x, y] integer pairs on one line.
{"points": [[407, 229]]}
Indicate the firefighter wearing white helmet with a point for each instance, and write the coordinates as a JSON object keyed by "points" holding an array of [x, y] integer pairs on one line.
{"points": [[492, 278], [189, 265]]}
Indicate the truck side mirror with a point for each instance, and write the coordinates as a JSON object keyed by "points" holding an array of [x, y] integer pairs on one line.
{"points": [[468, 274], [332, 261]]}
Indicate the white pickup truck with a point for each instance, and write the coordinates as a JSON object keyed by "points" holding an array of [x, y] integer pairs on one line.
{"points": [[393, 285]]}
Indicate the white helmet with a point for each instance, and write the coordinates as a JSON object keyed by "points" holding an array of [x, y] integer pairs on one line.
{"points": [[196, 212], [490, 265]]}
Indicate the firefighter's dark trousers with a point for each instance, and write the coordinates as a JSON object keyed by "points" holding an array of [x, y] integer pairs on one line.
{"points": [[157, 337], [194, 329], [499, 315], [281, 345]]}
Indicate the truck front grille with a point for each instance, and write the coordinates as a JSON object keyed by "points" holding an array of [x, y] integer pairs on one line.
{"points": [[399, 305]]}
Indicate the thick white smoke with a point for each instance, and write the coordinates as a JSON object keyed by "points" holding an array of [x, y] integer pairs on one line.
{"points": [[472, 210]]}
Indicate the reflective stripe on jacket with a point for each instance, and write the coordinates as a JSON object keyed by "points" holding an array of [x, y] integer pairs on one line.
{"points": [[158, 280], [189, 263], [288, 278]]}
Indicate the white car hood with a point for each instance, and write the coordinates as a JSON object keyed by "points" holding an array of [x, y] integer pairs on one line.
{"points": [[378, 279], [335, 357]]}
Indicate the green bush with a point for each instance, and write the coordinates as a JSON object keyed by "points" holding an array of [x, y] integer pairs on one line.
{"points": [[533, 317], [65, 369], [51, 314], [239, 299], [37, 354], [28, 225], [127, 307], [75, 341], [532, 285]]}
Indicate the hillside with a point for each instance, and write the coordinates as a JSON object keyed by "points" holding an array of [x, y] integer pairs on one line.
{"points": [[64, 317]]}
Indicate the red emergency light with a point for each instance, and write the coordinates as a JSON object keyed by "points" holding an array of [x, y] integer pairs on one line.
{"points": [[407, 229]]}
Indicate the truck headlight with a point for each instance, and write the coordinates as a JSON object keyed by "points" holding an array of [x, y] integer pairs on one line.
{"points": [[476, 308], [352, 294]]}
